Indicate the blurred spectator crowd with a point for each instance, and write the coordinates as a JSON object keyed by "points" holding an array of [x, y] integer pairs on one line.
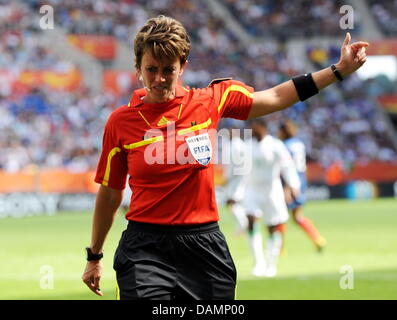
{"points": [[49, 128], [385, 13], [288, 19]]}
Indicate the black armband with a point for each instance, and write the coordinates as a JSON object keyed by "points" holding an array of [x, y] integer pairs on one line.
{"points": [[305, 86]]}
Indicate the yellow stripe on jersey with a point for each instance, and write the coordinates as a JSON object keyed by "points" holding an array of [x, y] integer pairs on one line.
{"points": [[117, 292], [233, 87], [143, 117], [180, 111], [111, 154], [195, 128], [143, 142]]}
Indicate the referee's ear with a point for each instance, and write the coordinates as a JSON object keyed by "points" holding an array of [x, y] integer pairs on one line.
{"points": [[183, 67]]}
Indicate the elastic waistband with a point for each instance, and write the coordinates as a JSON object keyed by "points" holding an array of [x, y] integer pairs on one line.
{"points": [[174, 229]]}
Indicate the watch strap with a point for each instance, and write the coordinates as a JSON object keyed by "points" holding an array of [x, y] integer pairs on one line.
{"points": [[93, 256], [336, 73]]}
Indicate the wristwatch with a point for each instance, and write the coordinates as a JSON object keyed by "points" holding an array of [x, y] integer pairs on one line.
{"points": [[93, 256], [336, 73]]}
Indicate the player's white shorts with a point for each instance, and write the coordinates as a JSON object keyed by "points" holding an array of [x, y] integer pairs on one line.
{"points": [[269, 205]]}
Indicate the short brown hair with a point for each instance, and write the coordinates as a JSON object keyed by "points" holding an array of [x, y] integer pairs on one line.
{"points": [[165, 37]]}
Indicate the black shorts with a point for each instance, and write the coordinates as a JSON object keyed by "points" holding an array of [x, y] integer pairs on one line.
{"points": [[174, 262]]}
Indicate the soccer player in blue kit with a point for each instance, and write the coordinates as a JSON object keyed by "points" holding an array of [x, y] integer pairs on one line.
{"points": [[287, 133]]}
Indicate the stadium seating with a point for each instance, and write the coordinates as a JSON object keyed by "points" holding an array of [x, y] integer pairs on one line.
{"points": [[287, 19], [385, 13]]}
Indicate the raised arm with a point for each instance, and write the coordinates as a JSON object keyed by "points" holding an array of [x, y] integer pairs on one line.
{"points": [[284, 95], [107, 202]]}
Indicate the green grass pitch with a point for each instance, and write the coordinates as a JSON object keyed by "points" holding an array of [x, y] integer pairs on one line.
{"points": [[361, 235]]}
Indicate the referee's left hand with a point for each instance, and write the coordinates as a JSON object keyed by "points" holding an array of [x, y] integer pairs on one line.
{"points": [[352, 56], [92, 276]]}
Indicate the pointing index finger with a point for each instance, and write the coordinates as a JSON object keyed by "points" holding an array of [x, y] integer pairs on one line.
{"points": [[347, 39]]}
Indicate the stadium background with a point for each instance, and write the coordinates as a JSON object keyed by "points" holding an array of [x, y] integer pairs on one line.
{"points": [[59, 85]]}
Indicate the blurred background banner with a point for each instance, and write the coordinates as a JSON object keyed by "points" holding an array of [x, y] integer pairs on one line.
{"points": [[118, 81], [68, 81], [48, 181], [100, 47], [383, 47], [389, 103]]}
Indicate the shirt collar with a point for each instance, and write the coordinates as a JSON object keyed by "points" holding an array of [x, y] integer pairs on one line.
{"points": [[136, 99]]}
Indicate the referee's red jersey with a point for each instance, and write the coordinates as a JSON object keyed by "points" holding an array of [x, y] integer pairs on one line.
{"points": [[148, 143]]}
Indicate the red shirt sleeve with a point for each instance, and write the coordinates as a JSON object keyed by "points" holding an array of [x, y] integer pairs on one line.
{"points": [[112, 167], [233, 99]]}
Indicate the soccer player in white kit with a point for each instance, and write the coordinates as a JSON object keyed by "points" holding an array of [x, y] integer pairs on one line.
{"points": [[265, 196], [236, 178]]}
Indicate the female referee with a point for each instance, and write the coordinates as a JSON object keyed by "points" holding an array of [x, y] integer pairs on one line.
{"points": [[164, 140]]}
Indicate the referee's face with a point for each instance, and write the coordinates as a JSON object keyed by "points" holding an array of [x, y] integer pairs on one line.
{"points": [[159, 78]]}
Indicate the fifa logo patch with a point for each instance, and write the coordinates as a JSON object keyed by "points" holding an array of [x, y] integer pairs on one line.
{"points": [[200, 147]]}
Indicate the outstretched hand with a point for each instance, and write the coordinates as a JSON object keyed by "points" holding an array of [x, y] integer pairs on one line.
{"points": [[352, 56]]}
